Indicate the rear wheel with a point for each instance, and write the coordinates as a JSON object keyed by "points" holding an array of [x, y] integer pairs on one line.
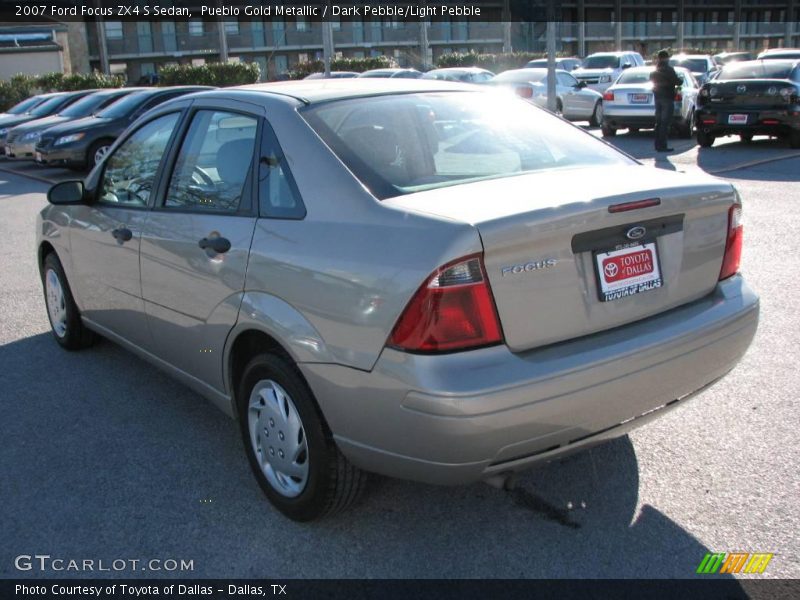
{"points": [[746, 138], [65, 319], [705, 139], [794, 139], [596, 119], [685, 129], [290, 450], [608, 131]]}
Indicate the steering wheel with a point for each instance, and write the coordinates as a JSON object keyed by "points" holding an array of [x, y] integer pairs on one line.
{"points": [[200, 176]]}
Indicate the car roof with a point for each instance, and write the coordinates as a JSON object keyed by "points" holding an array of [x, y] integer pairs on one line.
{"points": [[323, 90], [460, 70], [617, 53], [779, 51], [685, 56]]}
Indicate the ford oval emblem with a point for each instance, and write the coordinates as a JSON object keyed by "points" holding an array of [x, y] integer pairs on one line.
{"points": [[636, 233]]}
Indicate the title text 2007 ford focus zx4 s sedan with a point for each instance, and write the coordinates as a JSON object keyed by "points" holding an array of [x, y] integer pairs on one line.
{"points": [[414, 278]]}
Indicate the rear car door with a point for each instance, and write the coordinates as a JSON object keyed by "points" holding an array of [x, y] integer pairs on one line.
{"points": [[197, 238], [105, 235]]}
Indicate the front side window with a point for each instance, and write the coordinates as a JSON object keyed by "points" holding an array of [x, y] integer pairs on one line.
{"points": [[214, 161], [131, 171], [402, 144]]}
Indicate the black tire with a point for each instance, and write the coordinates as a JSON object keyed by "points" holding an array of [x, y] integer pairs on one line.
{"points": [[74, 335], [746, 138], [332, 483], [608, 131], [559, 107], [794, 139], [705, 139], [594, 120], [686, 128], [91, 154]]}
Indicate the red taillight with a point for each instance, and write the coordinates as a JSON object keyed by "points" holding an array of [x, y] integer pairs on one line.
{"points": [[678, 97], [524, 91], [770, 121], [609, 96], [453, 310], [709, 121], [733, 245]]}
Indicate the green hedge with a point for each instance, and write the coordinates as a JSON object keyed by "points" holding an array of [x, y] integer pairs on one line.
{"points": [[21, 86], [359, 65], [215, 74]]}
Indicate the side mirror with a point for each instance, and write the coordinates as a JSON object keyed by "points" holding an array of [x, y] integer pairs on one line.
{"points": [[626, 66], [67, 192], [581, 84]]}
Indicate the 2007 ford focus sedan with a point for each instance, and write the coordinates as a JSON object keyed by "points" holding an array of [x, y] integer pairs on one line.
{"points": [[415, 278]]}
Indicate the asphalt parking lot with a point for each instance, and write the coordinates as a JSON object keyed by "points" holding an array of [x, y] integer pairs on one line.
{"points": [[106, 458]]}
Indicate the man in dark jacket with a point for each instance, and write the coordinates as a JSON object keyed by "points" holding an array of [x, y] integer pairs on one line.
{"points": [[664, 80]]}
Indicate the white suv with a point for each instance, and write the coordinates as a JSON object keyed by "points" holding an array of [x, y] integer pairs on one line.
{"points": [[601, 69]]}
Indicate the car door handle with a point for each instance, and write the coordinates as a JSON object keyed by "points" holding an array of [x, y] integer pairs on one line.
{"points": [[219, 245], [122, 234]]}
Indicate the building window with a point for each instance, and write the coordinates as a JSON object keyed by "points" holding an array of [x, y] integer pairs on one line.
{"points": [[232, 26], [147, 68], [358, 54], [302, 24], [658, 17], [336, 23], [114, 30], [195, 27], [767, 16], [674, 17], [714, 17], [731, 16], [302, 57]]}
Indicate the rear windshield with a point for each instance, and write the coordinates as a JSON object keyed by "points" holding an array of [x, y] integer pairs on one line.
{"points": [[125, 106], [601, 62], [47, 107], [695, 65], [24, 106], [756, 70], [635, 77], [402, 144], [85, 106]]}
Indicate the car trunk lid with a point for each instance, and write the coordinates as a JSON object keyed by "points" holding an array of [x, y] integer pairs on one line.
{"points": [[742, 93], [541, 234]]}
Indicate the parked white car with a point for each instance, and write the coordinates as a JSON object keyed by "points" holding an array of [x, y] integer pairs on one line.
{"points": [[629, 103], [601, 69], [575, 101]]}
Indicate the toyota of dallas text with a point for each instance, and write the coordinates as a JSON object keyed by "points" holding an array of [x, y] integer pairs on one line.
{"points": [[403, 277]]}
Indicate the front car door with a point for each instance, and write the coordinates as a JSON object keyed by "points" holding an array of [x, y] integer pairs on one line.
{"points": [[197, 238], [105, 236]]}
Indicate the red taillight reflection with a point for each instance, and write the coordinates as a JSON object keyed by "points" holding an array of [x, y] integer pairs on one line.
{"points": [[733, 244], [609, 96], [453, 310]]}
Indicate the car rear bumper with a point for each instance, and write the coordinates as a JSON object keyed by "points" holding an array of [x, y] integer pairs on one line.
{"points": [[759, 122], [635, 116], [464, 417]]}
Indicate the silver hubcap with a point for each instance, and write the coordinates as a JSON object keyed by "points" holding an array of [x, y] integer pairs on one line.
{"points": [[278, 438], [56, 304], [100, 154]]}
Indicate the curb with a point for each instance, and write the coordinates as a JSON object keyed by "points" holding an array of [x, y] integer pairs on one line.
{"points": [[754, 163]]}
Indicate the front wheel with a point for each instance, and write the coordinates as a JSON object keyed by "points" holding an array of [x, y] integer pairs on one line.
{"points": [[596, 119], [97, 152], [65, 319], [608, 131], [705, 139], [290, 450]]}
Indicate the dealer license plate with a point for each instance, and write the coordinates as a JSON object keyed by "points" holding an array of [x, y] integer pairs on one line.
{"points": [[639, 98], [737, 119], [629, 271]]}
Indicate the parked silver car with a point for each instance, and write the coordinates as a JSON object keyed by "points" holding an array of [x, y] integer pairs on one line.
{"points": [[400, 277], [601, 69], [629, 103], [574, 101]]}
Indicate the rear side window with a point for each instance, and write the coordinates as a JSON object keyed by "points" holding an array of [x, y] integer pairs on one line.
{"points": [[277, 192], [213, 163]]}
